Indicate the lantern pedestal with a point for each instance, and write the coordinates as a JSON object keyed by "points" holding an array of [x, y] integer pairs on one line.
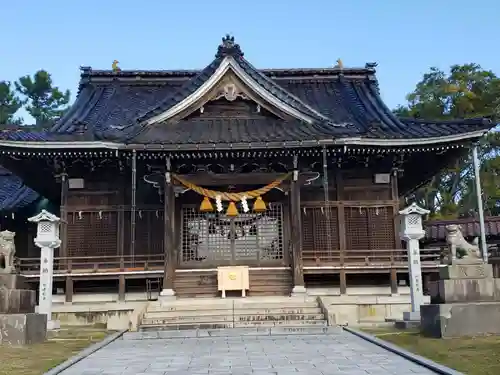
{"points": [[45, 288], [47, 239], [411, 232], [465, 301], [19, 323]]}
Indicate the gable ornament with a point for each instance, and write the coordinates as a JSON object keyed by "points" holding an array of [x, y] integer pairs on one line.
{"points": [[230, 92]]}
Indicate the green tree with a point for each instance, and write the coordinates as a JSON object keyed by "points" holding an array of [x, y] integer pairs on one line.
{"points": [[45, 102], [467, 91], [9, 104]]}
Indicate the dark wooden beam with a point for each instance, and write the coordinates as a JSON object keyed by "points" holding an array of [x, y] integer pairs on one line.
{"points": [[63, 230], [253, 178], [68, 290], [169, 235], [120, 243], [339, 187], [296, 235], [133, 203], [122, 287]]}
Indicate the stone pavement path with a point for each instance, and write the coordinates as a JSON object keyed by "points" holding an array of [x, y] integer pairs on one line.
{"points": [[330, 354]]}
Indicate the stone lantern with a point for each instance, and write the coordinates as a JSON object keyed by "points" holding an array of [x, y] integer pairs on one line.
{"points": [[411, 231], [47, 239]]}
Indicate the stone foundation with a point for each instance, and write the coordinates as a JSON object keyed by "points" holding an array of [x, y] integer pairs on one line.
{"points": [[22, 329], [365, 310], [17, 301], [460, 319], [465, 302], [19, 324], [14, 298]]}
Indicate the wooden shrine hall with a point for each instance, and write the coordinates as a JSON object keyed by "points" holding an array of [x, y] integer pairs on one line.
{"points": [[295, 173]]}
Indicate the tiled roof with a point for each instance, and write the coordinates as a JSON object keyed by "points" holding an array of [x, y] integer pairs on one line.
{"points": [[112, 108], [213, 131], [343, 102], [436, 229], [13, 193], [20, 134]]}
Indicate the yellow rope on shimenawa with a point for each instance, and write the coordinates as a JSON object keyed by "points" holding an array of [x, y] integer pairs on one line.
{"points": [[208, 194]]}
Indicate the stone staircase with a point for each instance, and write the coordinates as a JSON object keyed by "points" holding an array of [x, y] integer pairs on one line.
{"points": [[251, 312]]}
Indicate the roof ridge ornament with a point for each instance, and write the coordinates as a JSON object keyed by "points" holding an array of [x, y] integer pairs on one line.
{"points": [[229, 48]]}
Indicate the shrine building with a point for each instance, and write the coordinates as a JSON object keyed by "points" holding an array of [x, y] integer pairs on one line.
{"points": [[166, 175]]}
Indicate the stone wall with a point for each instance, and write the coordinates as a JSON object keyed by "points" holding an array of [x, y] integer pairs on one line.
{"points": [[365, 310]]}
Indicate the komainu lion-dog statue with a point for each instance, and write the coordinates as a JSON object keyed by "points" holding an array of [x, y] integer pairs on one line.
{"points": [[7, 251], [456, 241]]}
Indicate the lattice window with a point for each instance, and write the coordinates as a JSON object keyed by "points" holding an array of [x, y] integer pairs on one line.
{"points": [[381, 228], [92, 234], [320, 240], [78, 231], [369, 228], [214, 237], [356, 226], [149, 232]]}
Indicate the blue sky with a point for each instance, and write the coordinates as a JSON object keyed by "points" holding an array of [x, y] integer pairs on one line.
{"points": [[404, 37]]}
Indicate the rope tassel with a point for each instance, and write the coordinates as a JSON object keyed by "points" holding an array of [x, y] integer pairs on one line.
{"points": [[232, 210], [259, 205], [231, 197], [206, 205]]}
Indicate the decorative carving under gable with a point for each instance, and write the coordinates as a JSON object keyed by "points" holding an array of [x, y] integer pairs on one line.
{"points": [[230, 91], [7, 251], [234, 92]]}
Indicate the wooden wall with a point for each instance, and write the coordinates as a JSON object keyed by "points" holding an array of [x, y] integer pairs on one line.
{"points": [[359, 217], [263, 282]]}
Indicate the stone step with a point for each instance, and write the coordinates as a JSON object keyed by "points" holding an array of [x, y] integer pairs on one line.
{"points": [[230, 318], [251, 311], [218, 325], [149, 334], [293, 323], [175, 306]]}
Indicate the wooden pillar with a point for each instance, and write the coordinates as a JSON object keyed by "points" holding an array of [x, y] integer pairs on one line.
{"points": [[169, 235], [394, 281], [69, 284], [120, 245], [395, 199], [133, 204], [68, 290], [121, 281], [397, 240], [339, 188], [296, 235], [121, 288], [63, 227]]}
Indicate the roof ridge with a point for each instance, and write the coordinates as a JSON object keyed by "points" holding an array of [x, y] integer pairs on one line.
{"points": [[229, 52], [89, 71], [463, 121]]}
